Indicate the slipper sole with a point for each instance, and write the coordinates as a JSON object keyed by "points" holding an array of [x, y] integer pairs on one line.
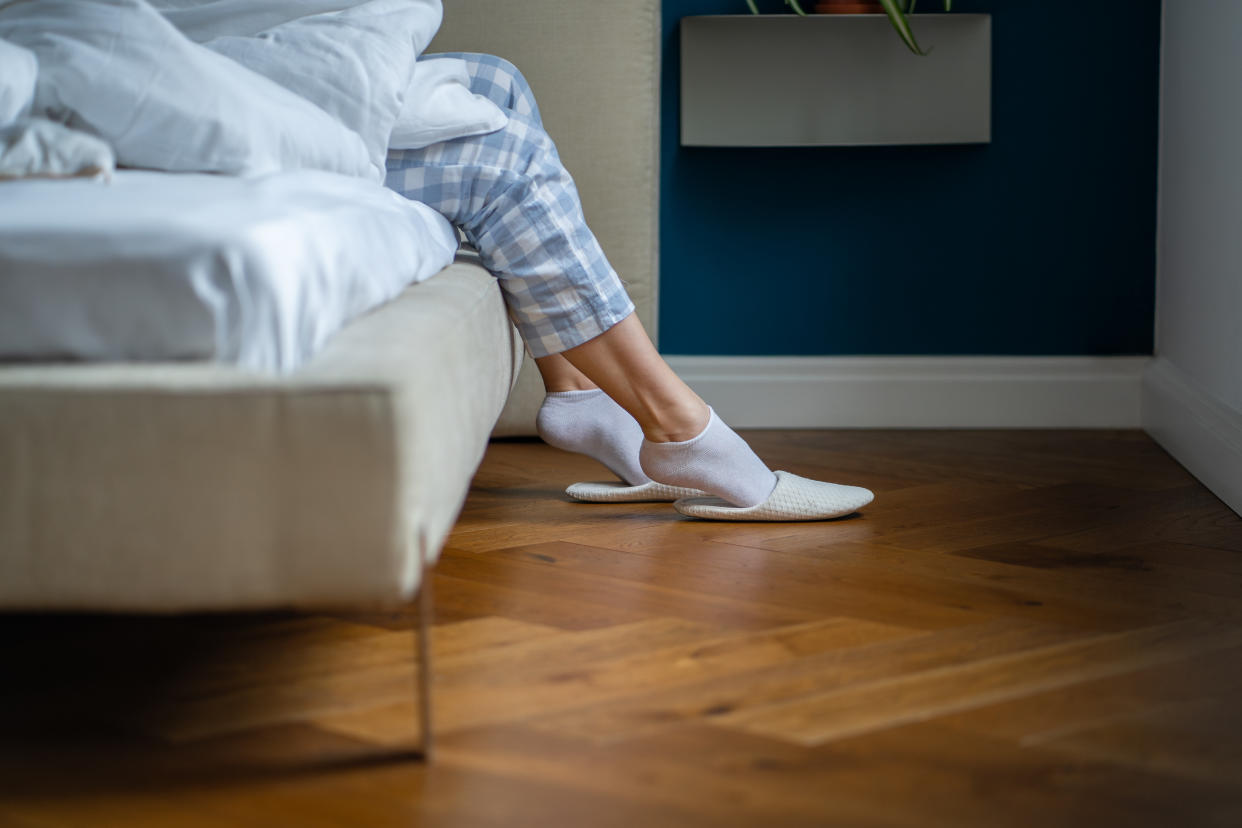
{"points": [[650, 492]]}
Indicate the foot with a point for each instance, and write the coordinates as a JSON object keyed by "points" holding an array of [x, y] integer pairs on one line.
{"points": [[590, 423], [716, 461]]}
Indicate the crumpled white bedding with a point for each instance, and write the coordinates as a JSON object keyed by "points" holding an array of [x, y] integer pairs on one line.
{"points": [[120, 71], [240, 88], [259, 272], [297, 97], [39, 148], [438, 104]]}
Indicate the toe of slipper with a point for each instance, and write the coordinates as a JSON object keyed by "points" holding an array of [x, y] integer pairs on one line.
{"points": [[794, 498]]}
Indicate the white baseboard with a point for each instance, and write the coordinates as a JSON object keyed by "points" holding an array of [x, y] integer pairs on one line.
{"points": [[919, 392], [1201, 432]]}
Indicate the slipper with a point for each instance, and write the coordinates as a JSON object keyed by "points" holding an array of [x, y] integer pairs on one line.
{"points": [[794, 498], [618, 492]]}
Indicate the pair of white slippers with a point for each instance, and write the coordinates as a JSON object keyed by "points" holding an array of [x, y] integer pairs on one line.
{"points": [[794, 498], [589, 422]]}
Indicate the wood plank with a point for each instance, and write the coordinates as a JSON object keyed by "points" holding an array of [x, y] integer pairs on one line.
{"points": [[464, 597], [341, 680], [578, 676], [884, 657], [920, 696], [745, 576], [1193, 739], [1096, 597], [644, 600], [1040, 717]]}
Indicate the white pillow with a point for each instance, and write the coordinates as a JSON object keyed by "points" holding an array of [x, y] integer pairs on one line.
{"points": [[38, 148], [18, 70], [439, 106], [118, 69], [355, 64]]}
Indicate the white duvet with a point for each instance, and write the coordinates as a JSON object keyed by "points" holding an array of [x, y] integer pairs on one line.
{"points": [[259, 272]]}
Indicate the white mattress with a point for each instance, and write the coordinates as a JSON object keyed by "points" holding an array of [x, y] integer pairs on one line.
{"points": [[156, 266]]}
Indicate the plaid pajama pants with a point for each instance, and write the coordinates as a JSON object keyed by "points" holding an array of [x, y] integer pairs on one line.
{"points": [[516, 203]]}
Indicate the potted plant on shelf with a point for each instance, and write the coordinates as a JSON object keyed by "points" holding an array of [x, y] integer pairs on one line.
{"points": [[895, 9]]}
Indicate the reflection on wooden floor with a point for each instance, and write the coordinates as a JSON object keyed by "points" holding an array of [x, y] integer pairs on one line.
{"points": [[1026, 628]]}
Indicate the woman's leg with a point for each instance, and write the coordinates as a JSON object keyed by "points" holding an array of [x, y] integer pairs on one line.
{"points": [[502, 83], [624, 362], [517, 205], [669, 407], [559, 374]]}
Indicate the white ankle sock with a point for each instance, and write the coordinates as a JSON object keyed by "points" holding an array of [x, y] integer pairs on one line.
{"points": [[717, 461], [590, 423]]}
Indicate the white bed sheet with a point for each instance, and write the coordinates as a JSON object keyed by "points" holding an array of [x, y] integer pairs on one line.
{"points": [[256, 272]]}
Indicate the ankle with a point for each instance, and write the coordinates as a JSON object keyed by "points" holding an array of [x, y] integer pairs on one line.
{"points": [[676, 424]]}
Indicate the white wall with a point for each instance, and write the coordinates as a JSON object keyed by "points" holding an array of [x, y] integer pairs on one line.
{"points": [[1193, 390]]}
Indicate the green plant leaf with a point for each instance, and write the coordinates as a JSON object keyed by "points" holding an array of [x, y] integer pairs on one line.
{"points": [[902, 25], [753, 8], [796, 7]]}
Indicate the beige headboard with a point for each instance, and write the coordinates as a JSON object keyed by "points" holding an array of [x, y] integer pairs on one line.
{"points": [[595, 70]]}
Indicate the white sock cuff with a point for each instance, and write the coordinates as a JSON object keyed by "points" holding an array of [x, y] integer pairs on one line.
{"points": [[574, 396]]}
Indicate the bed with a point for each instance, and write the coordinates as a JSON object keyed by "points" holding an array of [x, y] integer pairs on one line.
{"points": [[309, 466]]}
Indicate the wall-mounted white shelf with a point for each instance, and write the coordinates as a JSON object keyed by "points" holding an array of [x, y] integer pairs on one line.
{"points": [[834, 80]]}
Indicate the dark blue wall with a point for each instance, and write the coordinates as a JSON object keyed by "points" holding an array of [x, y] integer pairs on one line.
{"points": [[1042, 242]]}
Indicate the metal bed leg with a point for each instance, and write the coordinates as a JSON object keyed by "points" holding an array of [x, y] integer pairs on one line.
{"points": [[422, 656]]}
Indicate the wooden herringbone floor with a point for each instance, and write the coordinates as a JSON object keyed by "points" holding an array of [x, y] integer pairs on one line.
{"points": [[1026, 628]]}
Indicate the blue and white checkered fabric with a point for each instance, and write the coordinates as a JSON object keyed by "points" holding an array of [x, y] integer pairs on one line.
{"points": [[516, 203]]}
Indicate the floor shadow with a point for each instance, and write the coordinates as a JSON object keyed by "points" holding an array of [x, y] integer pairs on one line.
{"points": [[84, 695]]}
